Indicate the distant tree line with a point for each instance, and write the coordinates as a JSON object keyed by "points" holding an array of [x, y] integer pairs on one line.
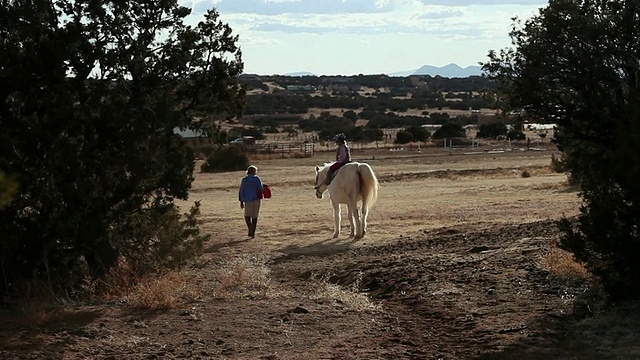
{"points": [[397, 99], [380, 106], [433, 83]]}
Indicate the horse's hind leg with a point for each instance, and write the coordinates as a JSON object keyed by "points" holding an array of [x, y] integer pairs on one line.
{"points": [[336, 220], [351, 222], [356, 218], [365, 213]]}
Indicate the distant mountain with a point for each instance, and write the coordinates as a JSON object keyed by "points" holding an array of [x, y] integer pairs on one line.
{"points": [[300, 73], [448, 71]]}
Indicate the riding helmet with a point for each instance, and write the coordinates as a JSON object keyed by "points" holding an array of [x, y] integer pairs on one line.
{"points": [[339, 137]]}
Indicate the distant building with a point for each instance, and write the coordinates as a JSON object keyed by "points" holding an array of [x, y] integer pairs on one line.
{"points": [[536, 126], [193, 137], [432, 127]]}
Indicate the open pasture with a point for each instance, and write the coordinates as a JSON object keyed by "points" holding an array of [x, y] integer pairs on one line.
{"points": [[417, 192], [459, 262]]}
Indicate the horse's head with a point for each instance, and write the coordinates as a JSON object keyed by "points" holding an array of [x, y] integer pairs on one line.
{"points": [[320, 186]]}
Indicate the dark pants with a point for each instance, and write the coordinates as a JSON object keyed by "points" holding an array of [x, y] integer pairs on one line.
{"points": [[252, 222], [335, 166], [332, 169]]}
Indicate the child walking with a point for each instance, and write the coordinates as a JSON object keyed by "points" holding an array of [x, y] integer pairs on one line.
{"points": [[249, 195]]}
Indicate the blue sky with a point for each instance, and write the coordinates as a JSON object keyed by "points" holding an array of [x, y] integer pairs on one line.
{"points": [[351, 37]]}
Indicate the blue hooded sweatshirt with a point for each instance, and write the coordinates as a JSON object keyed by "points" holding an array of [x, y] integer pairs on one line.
{"points": [[250, 188]]}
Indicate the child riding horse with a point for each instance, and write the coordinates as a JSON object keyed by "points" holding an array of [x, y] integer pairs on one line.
{"points": [[343, 156]]}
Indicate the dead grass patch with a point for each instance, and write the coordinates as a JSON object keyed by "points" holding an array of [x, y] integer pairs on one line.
{"points": [[551, 186], [166, 291], [153, 291], [349, 297], [245, 277], [120, 281], [561, 265], [536, 170]]}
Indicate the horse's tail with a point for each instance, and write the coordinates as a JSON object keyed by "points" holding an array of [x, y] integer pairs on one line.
{"points": [[370, 185]]}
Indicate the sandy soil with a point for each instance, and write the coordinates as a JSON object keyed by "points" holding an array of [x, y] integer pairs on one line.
{"points": [[460, 262]]}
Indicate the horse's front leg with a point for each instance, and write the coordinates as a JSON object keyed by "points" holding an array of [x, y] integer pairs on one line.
{"points": [[336, 220]]}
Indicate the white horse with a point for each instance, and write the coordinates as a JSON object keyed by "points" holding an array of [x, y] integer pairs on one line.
{"points": [[353, 182]]}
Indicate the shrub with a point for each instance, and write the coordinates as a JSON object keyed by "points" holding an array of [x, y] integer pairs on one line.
{"points": [[492, 131], [516, 135], [449, 130], [558, 164], [226, 158], [169, 238], [403, 137], [419, 133]]}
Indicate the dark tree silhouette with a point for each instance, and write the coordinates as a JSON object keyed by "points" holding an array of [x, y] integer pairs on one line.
{"points": [[91, 94], [576, 64]]}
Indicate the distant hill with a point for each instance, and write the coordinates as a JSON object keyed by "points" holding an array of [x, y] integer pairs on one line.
{"points": [[448, 71]]}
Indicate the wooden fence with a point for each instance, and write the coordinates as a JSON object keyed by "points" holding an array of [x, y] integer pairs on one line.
{"points": [[305, 149]]}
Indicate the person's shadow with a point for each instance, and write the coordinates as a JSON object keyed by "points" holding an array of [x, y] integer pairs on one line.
{"points": [[213, 248]]}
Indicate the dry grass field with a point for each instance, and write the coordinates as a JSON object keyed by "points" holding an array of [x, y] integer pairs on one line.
{"points": [[460, 262]]}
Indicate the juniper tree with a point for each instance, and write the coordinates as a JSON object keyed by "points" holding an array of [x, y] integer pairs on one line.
{"points": [[577, 64], [90, 95]]}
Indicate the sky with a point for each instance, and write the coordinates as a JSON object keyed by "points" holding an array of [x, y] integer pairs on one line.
{"points": [[352, 37]]}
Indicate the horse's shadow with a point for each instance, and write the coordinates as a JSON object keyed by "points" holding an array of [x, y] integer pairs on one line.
{"points": [[326, 247]]}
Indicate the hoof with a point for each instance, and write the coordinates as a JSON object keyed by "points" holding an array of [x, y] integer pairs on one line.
{"points": [[335, 235]]}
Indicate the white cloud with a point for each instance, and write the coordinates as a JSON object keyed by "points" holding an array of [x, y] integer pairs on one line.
{"points": [[340, 36], [303, 6], [440, 14], [482, 2]]}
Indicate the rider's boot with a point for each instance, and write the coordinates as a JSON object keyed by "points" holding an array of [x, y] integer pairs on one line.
{"points": [[327, 180]]}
